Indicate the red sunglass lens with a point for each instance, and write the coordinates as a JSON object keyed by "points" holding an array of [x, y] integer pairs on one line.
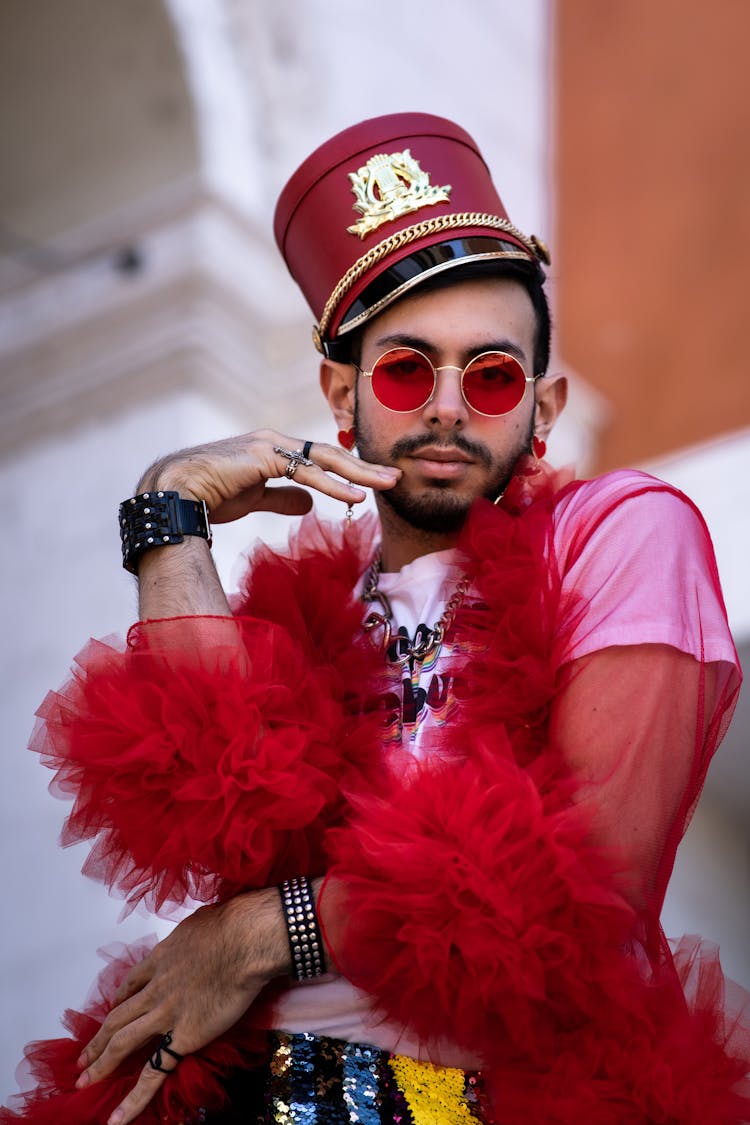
{"points": [[494, 383], [402, 379]]}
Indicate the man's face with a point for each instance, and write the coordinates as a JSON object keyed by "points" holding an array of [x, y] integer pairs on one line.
{"points": [[448, 453]]}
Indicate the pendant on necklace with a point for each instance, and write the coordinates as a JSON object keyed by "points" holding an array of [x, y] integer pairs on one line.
{"points": [[431, 639]]}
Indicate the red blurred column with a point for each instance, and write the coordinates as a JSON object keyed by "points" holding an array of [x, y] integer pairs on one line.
{"points": [[652, 107]]}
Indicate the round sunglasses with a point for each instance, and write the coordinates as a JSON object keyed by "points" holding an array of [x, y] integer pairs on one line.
{"points": [[404, 379]]}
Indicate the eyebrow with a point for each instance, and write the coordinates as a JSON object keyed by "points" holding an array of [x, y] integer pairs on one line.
{"points": [[404, 340]]}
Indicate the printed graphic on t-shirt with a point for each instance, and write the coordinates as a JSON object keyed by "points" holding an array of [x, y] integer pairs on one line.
{"points": [[422, 690]]}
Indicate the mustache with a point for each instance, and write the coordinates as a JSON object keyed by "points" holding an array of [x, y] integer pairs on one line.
{"points": [[407, 446]]}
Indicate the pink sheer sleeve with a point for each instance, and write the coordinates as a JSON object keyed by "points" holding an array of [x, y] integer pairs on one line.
{"points": [[649, 675], [637, 567], [637, 726]]}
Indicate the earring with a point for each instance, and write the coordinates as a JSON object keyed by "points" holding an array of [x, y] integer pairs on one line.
{"points": [[348, 439], [539, 447]]}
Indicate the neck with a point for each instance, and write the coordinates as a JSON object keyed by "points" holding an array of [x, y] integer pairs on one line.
{"points": [[402, 543]]}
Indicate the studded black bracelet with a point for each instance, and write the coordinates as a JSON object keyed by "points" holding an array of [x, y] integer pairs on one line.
{"points": [[158, 519], [303, 929]]}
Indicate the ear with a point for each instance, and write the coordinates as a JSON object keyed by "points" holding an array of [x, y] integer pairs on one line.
{"points": [[551, 396], [337, 383]]}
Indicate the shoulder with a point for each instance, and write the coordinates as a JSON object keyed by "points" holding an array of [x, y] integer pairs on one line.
{"points": [[637, 566], [626, 509]]}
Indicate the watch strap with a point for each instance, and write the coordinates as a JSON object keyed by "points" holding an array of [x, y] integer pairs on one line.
{"points": [[159, 519]]}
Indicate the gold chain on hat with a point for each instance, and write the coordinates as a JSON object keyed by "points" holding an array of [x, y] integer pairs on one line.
{"points": [[433, 637], [410, 234]]}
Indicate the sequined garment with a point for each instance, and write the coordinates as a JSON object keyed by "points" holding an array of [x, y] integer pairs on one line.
{"points": [[310, 1080]]}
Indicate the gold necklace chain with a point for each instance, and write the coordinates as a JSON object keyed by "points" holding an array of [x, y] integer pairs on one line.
{"points": [[433, 637]]}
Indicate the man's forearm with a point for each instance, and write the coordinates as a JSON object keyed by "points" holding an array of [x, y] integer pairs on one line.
{"points": [[179, 581], [259, 938]]}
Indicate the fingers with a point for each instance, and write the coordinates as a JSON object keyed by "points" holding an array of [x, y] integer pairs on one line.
{"points": [[165, 1058], [328, 458], [115, 1042], [333, 472], [121, 1043], [127, 1014], [231, 475], [288, 500], [356, 473], [162, 1062]]}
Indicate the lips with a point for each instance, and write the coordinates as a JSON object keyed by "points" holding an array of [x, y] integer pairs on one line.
{"points": [[438, 463], [442, 454]]}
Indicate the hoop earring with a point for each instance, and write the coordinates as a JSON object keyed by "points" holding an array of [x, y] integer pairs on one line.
{"points": [[347, 438]]}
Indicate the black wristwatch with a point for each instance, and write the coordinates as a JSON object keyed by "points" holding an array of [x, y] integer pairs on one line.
{"points": [[159, 519]]}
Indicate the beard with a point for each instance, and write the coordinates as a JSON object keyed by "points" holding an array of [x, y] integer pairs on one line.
{"points": [[439, 508]]}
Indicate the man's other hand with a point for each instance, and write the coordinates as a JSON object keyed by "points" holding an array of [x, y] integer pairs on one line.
{"points": [[195, 985]]}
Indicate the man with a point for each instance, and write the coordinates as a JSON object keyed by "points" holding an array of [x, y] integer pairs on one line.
{"points": [[462, 740]]}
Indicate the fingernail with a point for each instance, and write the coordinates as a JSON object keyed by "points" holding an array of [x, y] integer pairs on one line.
{"points": [[83, 1081], [116, 1117], [389, 474], [81, 1061]]}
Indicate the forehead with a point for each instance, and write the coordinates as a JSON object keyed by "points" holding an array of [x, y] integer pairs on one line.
{"points": [[460, 316]]}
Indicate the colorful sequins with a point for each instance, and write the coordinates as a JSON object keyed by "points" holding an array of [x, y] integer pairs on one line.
{"points": [[321, 1081]]}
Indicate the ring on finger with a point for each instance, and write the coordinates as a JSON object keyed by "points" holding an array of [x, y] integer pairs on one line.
{"points": [[164, 1048], [291, 468], [294, 455], [306, 448]]}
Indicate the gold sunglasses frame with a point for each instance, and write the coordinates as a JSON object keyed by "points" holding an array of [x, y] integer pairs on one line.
{"points": [[449, 367]]}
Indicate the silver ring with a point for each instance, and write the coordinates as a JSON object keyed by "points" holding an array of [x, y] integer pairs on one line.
{"points": [[294, 455], [291, 468]]}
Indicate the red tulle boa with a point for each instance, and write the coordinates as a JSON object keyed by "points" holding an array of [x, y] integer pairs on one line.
{"points": [[216, 754], [518, 952]]}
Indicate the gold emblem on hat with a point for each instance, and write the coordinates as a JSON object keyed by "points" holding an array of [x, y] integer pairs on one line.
{"points": [[391, 185]]}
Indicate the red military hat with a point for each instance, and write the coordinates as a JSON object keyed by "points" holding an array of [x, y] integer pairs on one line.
{"points": [[382, 206]]}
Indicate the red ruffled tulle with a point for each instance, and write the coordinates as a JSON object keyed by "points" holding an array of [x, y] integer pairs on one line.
{"points": [[208, 757], [199, 1081], [518, 952], [214, 755], [524, 952]]}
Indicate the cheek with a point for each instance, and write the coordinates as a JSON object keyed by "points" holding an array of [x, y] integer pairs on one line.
{"points": [[500, 431], [376, 430], [379, 422], [509, 435]]}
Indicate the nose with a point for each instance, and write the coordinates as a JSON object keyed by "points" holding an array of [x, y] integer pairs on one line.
{"points": [[447, 408]]}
